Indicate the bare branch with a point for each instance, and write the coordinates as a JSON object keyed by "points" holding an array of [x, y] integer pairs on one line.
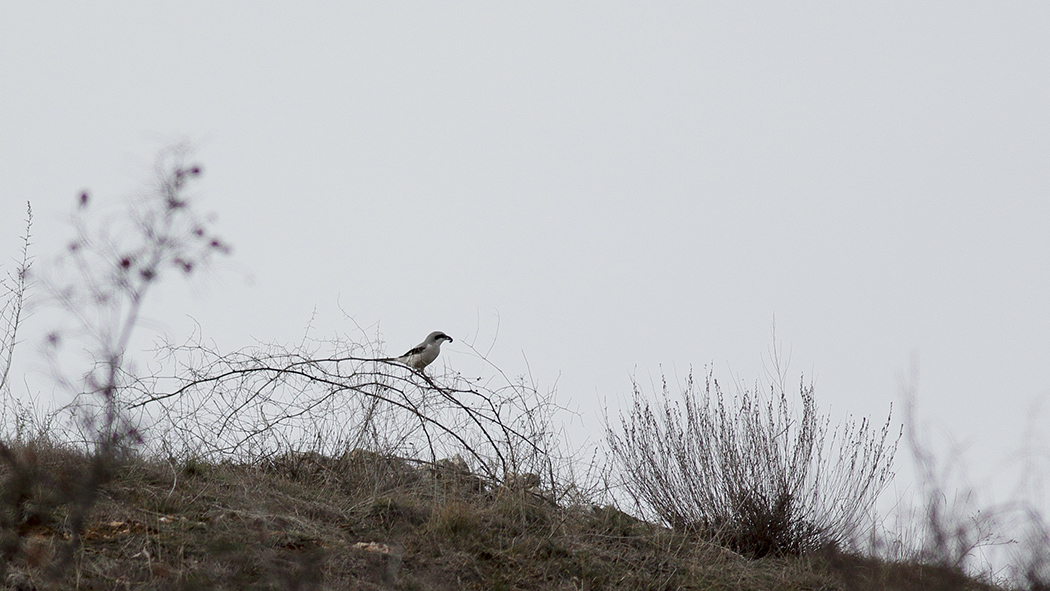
{"points": [[256, 401], [17, 286]]}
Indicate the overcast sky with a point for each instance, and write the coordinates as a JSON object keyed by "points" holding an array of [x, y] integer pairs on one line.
{"points": [[618, 187]]}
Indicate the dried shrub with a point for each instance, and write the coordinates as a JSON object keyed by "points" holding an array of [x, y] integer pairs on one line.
{"points": [[747, 472], [335, 396]]}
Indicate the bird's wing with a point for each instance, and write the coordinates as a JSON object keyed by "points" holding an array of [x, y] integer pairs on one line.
{"points": [[415, 350]]}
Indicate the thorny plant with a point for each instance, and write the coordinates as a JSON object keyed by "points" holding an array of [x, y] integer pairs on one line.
{"points": [[110, 270], [749, 474], [100, 283], [335, 396]]}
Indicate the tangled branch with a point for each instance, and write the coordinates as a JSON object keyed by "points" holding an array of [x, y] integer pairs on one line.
{"points": [[262, 400]]}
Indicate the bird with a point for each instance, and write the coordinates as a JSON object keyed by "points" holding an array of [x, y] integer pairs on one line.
{"points": [[424, 353]]}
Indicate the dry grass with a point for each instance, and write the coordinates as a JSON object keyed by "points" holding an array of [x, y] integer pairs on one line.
{"points": [[368, 521]]}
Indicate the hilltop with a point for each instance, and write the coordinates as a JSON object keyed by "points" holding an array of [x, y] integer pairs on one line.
{"points": [[368, 521]]}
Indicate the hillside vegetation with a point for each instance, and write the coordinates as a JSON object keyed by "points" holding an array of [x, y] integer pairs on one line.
{"points": [[326, 465], [366, 521]]}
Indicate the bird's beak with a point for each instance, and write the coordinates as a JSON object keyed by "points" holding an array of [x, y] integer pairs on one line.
{"points": [[449, 338]]}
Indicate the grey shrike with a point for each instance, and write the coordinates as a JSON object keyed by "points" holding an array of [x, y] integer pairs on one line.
{"points": [[424, 353]]}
